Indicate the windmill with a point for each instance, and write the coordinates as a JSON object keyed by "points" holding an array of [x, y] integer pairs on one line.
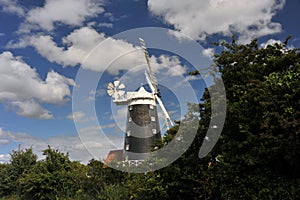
{"points": [[115, 90], [142, 127]]}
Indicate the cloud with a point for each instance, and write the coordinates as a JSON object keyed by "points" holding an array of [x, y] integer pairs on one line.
{"points": [[101, 92], [106, 25], [193, 78], [108, 126], [4, 158], [179, 35], [19, 137], [3, 141], [76, 115], [112, 54], [79, 44], [68, 12], [200, 18], [11, 6], [270, 42], [98, 144], [30, 108], [22, 88], [170, 63], [110, 16], [209, 52], [71, 144]]}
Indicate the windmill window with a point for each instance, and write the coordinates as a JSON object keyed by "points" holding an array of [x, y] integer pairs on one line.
{"points": [[130, 119], [128, 133], [154, 131], [153, 119], [130, 107], [151, 107], [127, 147]]}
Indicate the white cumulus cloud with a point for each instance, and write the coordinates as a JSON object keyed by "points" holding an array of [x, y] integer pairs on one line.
{"points": [[209, 52], [96, 51], [79, 44], [3, 141], [22, 88], [4, 158], [170, 64], [76, 115], [30, 108], [68, 12], [11, 6], [270, 42], [200, 18]]}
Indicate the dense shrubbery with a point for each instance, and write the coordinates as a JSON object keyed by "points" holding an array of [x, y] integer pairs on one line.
{"points": [[256, 157]]}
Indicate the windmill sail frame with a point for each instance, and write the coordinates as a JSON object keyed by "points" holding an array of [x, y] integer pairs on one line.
{"points": [[152, 82]]}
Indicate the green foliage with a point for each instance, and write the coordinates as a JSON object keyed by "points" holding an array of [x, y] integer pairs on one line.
{"points": [[56, 176], [114, 192], [104, 183], [260, 141], [21, 162]]}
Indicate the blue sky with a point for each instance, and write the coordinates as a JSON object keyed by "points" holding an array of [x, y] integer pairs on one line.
{"points": [[45, 45]]}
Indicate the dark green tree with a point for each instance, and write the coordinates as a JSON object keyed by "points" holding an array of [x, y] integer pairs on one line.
{"points": [[21, 161], [259, 148], [54, 177], [104, 183]]}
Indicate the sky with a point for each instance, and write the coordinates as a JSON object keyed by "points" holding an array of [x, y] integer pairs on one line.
{"points": [[57, 57]]}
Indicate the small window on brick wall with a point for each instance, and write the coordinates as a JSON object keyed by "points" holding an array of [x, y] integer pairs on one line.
{"points": [[153, 119], [128, 133], [154, 131]]}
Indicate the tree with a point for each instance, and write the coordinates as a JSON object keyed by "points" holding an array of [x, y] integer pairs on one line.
{"points": [[260, 141], [54, 177], [21, 161], [104, 183]]}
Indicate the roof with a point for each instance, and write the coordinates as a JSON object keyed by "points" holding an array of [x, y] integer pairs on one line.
{"points": [[113, 155], [140, 94]]}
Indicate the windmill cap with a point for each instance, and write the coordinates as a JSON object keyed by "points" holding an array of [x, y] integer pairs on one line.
{"points": [[140, 94]]}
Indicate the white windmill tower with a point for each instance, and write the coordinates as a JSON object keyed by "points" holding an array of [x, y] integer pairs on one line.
{"points": [[142, 127]]}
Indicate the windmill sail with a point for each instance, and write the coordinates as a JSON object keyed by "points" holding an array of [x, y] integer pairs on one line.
{"points": [[153, 79], [115, 90], [167, 117], [152, 82]]}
